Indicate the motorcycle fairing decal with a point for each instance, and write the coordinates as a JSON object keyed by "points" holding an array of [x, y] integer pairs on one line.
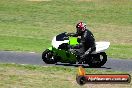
{"points": [[50, 48], [73, 41]]}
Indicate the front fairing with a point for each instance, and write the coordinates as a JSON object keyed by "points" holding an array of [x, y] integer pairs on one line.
{"points": [[60, 39], [63, 38], [66, 56]]}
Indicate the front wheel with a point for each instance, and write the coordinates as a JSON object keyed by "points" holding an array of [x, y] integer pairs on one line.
{"points": [[48, 57], [97, 60]]}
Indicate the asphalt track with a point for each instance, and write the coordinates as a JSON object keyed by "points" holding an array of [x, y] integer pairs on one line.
{"points": [[35, 59]]}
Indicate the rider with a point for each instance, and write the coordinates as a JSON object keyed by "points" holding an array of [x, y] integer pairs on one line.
{"points": [[87, 41]]}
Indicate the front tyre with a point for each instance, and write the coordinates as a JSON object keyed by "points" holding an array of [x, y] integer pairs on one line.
{"points": [[48, 57], [97, 60]]}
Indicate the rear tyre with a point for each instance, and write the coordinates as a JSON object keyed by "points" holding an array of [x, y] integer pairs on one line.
{"points": [[48, 57], [103, 58], [97, 60]]}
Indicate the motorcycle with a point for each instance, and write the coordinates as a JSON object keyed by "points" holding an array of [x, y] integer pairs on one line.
{"points": [[60, 52]]}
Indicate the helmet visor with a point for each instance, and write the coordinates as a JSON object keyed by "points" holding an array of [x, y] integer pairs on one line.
{"points": [[79, 31]]}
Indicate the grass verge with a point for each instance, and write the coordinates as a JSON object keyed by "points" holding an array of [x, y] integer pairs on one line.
{"points": [[26, 76]]}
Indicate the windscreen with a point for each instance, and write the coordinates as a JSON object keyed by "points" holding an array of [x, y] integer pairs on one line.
{"points": [[61, 37]]}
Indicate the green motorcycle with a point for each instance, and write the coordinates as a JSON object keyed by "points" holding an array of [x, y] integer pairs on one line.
{"points": [[59, 52]]}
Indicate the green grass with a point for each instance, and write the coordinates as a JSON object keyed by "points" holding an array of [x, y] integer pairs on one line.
{"points": [[30, 26], [27, 76], [120, 51]]}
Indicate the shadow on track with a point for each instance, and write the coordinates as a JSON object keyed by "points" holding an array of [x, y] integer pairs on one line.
{"points": [[77, 65]]}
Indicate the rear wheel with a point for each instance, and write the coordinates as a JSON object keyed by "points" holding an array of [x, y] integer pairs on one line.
{"points": [[48, 57], [97, 60]]}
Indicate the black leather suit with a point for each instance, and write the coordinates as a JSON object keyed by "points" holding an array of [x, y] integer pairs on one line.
{"points": [[87, 41]]}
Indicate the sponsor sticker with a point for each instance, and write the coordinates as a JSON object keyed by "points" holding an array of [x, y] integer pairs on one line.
{"points": [[83, 78]]}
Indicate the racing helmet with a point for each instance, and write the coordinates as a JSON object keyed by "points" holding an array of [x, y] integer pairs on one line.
{"points": [[81, 27]]}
